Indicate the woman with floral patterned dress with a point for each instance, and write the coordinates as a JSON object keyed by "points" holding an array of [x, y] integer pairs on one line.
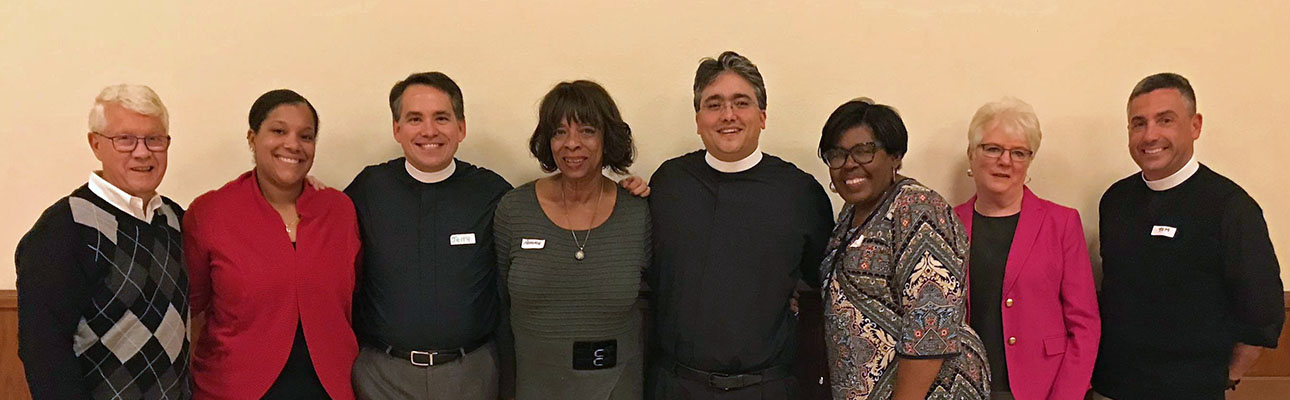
{"points": [[894, 286]]}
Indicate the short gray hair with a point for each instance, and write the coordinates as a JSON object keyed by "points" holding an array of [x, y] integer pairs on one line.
{"points": [[137, 98], [1009, 113], [710, 68]]}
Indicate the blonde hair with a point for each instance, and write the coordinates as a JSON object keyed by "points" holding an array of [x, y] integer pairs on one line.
{"points": [[1009, 113], [137, 98]]}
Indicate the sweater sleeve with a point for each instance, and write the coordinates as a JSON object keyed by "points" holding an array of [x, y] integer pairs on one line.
{"points": [[1252, 273], [52, 289], [505, 337]]}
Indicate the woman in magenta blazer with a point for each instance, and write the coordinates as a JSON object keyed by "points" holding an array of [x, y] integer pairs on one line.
{"points": [[1031, 295]]}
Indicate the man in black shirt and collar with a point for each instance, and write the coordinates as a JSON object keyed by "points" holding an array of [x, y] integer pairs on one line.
{"points": [[1191, 286], [427, 305], [734, 232]]}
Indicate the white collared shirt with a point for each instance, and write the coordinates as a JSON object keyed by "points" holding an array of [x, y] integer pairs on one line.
{"points": [[431, 177], [143, 210], [731, 167], [1169, 182]]}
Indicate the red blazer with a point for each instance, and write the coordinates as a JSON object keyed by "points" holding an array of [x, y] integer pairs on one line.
{"points": [[254, 287], [1049, 302]]}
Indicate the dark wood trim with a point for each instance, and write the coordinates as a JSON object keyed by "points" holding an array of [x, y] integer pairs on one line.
{"points": [[9, 299], [12, 379]]}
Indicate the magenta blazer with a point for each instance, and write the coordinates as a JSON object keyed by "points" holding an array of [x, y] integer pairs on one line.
{"points": [[1049, 302]]}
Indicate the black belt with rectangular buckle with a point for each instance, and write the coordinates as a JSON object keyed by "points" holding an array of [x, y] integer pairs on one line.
{"points": [[425, 358], [726, 381]]}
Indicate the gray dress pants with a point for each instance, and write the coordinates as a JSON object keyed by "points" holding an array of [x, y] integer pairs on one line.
{"points": [[379, 376]]}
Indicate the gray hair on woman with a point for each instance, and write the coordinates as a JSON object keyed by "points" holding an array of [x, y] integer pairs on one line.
{"points": [[1009, 114]]}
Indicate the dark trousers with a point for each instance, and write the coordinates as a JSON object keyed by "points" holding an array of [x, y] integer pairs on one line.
{"points": [[663, 384]]}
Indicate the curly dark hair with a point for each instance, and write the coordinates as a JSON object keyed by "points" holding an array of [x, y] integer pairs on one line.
{"points": [[587, 103]]}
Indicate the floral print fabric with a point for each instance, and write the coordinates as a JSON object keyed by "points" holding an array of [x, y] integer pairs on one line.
{"points": [[895, 288]]}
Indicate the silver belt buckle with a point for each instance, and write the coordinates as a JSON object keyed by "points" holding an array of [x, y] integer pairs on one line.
{"points": [[412, 357]]}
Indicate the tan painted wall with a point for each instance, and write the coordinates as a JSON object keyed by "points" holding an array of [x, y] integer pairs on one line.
{"points": [[936, 61]]}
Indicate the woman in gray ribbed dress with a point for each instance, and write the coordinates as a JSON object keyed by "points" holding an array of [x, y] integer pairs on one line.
{"points": [[570, 251]]}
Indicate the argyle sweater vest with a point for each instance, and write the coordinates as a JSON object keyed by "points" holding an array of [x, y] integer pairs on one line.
{"points": [[131, 340]]}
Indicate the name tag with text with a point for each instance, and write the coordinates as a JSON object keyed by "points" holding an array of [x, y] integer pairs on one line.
{"points": [[1166, 231], [532, 243], [461, 239]]}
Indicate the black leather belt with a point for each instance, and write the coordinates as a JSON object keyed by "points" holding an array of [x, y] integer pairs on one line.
{"points": [[728, 381], [425, 358]]}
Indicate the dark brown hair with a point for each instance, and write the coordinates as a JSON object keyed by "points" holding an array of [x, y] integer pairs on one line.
{"points": [[587, 103]]}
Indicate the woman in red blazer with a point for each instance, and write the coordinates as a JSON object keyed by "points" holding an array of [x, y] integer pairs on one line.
{"points": [[271, 263], [1031, 292]]}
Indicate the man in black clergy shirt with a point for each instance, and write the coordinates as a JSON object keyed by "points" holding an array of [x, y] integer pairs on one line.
{"points": [[427, 304], [734, 231], [1191, 286]]}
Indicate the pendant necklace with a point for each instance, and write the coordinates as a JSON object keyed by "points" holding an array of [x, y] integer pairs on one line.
{"points": [[580, 254]]}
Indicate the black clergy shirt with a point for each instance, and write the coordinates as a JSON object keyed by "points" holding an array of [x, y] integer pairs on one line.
{"points": [[1188, 273], [729, 249], [429, 275]]}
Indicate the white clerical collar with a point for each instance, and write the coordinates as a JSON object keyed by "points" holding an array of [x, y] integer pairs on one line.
{"points": [[431, 177], [1169, 182], [730, 167], [143, 210]]}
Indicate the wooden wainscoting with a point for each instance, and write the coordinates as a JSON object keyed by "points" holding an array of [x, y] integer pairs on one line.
{"points": [[13, 384]]}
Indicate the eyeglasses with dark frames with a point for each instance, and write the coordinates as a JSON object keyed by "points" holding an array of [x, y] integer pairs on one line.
{"points": [[127, 143], [861, 153], [996, 151]]}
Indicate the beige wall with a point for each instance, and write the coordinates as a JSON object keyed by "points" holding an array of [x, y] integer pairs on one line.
{"points": [[936, 61]]}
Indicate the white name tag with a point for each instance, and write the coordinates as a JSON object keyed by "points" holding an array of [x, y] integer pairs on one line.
{"points": [[1166, 231], [532, 243], [461, 239]]}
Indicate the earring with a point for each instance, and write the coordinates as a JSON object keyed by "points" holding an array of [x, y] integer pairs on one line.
{"points": [[969, 172], [831, 188]]}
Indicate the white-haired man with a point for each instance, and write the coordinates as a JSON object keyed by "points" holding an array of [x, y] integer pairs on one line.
{"points": [[102, 289]]}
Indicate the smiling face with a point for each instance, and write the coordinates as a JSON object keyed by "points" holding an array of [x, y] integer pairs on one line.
{"points": [[428, 129], [138, 171], [729, 119], [1162, 131], [284, 145], [999, 176], [863, 184], [578, 149]]}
